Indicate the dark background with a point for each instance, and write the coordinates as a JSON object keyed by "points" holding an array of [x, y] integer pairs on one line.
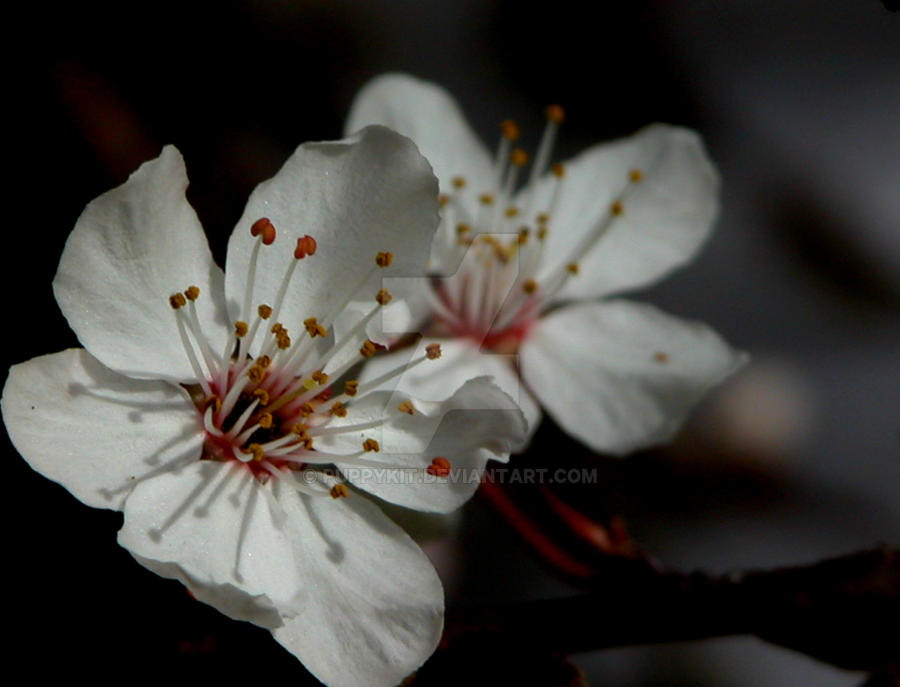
{"points": [[795, 460]]}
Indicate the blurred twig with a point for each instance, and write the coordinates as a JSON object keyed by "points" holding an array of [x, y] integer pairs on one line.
{"points": [[841, 611]]}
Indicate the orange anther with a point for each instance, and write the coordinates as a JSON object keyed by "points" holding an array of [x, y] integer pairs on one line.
{"points": [[351, 387], [177, 300], [384, 259], [509, 130], [370, 445], [518, 157], [433, 351], [407, 407], [192, 293], [306, 245], [440, 467], [263, 226], [555, 114]]}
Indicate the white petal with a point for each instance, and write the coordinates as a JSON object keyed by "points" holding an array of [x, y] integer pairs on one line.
{"points": [[433, 120], [667, 216], [622, 376], [342, 587], [210, 527], [476, 424], [460, 361], [96, 432], [368, 194], [130, 250], [374, 604]]}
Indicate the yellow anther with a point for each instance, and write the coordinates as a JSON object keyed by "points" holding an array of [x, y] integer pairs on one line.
{"points": [[338, 409], [523, 236], [313, 328], [265, 420], [277, 327], [558, 170], [240, 329], [661, 357], [351, 387], [307, 409], [407, 407], [192, 293], [617, 208], [367, 350], [339, 491], [443, 199], [262, 395], [213, 401], [264, 311], [383, 297], [256, 374], [572, 268], [177, 300], [283, 340], [486, 199], [370, 445], [542, 233], [530, 286], [635, 176], [257, 451], [518, 157], [433, 351], [384, 259], [511, 211], [458, 182], [264, 361], [300, 430], [555, 114], [320, 377], [543, 218], [462, 229], [510, 130]]}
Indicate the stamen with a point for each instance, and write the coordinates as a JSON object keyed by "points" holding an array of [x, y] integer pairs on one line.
{"points": [[370, 445], [555, 117], [407, 407], [177, 301]]}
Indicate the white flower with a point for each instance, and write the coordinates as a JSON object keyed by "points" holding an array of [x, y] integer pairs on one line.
{"points": [[528, 273], [204, 415]]}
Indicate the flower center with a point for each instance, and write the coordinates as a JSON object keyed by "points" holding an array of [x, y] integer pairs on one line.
{"points": [[265, 411], [504, 281]]}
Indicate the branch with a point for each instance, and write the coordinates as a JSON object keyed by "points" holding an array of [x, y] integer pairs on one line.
{"points": [[842, 611]]}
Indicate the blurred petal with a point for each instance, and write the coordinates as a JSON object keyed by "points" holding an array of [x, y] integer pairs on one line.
{"points": [[667, 216], [622, 376], [430, 116]]}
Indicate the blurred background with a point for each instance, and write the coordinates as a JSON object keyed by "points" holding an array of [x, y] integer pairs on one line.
{"points": [[796, 459]]}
